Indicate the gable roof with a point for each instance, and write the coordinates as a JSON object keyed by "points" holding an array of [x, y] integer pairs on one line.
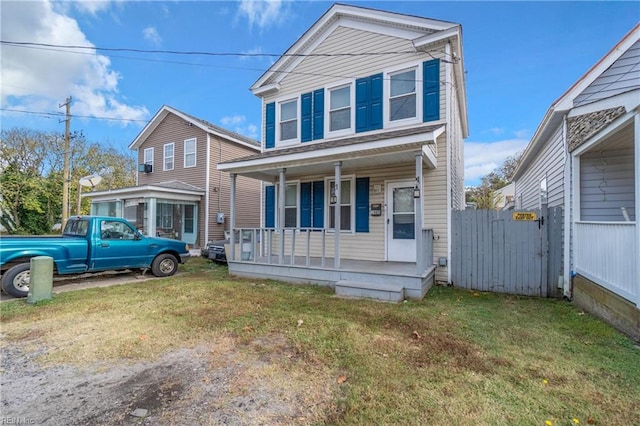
{"points": [[564, 103], [202, 124]]}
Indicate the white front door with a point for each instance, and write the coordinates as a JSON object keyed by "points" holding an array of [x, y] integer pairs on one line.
{"points": [[401, 219], [189, 223]]}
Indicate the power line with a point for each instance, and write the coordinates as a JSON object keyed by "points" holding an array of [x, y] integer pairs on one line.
{"points": [[60, 114], [203, 53]]}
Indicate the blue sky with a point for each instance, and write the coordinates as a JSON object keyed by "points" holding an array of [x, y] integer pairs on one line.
{"points": [[519, 58]]}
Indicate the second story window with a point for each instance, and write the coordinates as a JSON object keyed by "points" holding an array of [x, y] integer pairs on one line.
{"points": [[190, 153], [148, 156], [168, 156], [289, 120], [402, 95], [340, 108]]}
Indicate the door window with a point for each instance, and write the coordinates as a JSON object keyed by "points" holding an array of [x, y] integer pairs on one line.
{"points": [[403, 214]]}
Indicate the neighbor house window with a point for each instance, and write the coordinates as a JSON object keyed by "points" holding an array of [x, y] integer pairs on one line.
{"points": [[291, 206], [543, 191], [190, 153], [289, 120], [344, 204], [402, 95], [168, 156], [148, 156], [340, 108], [164, 216]]}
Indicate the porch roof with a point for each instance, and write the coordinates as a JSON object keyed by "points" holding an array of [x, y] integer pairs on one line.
{"points": [[175, 190], [364, 151]]}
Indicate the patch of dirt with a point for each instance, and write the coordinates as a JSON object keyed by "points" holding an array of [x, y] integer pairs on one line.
{"points": [[217, 383]]}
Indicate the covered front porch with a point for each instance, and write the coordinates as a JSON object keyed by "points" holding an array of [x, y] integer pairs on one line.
{"points": [[169, 210], [348, 214], [606, 182], [256, 253]]}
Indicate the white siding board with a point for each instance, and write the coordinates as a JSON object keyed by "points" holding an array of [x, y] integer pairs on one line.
{"points": [[549, 162], [606, 185], [622, 76]]}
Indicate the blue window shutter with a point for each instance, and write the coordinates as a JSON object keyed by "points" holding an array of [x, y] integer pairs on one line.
{"points": [[431, 90], [269, 206], [306, 116], [305, 205], [270, 126], [362, 204], [318, 204], [318, 114], [362, 105], [375, 102]]}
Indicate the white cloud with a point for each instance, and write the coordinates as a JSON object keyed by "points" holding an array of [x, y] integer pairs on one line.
{"points": [[481, 158], [40, 79], [263, 13], [151, 34], [237, 123], [91, 7], [251, 52]]}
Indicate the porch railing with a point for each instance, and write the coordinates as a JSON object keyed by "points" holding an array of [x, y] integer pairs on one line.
{"points": [[262, 245], [607, 253]]}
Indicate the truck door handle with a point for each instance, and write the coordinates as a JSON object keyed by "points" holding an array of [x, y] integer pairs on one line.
{"points": [[104, 245]]}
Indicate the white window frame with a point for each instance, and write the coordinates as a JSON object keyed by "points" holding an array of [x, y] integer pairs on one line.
{"points": [[279, 141], [276, 220], [543, 191], [352, 200], [417, 67], [327, 109], [165, 157], [187, 153], [148, 156]]}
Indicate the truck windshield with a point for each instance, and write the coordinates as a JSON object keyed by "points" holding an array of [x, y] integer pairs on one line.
{"points": [[77, 228]]}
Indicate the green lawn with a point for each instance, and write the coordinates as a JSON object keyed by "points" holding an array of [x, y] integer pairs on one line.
{"points": [[456, 357]]}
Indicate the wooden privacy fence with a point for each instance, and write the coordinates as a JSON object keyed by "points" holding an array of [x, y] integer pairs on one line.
{"points": [[491, 251]]}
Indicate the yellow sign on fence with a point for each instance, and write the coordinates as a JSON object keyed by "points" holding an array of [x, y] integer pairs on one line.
{"points": [[524, 216]]}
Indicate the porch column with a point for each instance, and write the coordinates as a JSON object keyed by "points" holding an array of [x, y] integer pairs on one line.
{"points": [[232, 218], [636, 156], [281, 195], [418, 206], [151, 216], [336, 215]]}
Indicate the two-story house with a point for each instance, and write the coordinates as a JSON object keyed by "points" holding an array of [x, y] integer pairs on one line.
{"points": [[364, 118], [180, 193]]}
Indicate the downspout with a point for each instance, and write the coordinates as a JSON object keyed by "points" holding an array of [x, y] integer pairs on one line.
{"points": [[568, 190], [207, 188], [447, 88], [636, 147]]}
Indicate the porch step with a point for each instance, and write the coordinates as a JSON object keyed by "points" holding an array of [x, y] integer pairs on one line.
{"points": [[387, 293]]}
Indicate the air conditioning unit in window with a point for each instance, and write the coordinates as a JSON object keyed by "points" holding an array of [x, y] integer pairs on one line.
{"points": [[145, 168]]}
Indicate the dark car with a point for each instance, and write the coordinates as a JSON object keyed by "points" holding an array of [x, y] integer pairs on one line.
{"points": [[214, 251]]}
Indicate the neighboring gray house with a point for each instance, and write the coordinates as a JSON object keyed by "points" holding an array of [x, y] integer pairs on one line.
{"points": [[180, 193], [585, 156], [364, 121]]}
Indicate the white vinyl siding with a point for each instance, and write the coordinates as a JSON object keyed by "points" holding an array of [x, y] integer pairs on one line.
{"points": [[622, 76], [606, 185], [189, 153], [550, 162], [168, 156], [317, 71]]}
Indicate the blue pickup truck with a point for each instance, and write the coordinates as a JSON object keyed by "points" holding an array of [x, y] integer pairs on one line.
{"points": [[89, 244]]}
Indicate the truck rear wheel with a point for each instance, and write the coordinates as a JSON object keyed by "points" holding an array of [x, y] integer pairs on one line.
{"points": [[164, 265], [16, 280]]}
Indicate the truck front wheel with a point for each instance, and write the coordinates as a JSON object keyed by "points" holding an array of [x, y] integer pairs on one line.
{"points": [[16, 280], [164, 265]]}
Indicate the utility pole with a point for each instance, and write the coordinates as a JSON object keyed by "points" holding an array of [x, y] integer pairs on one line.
{"points": [[65, 173]]}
